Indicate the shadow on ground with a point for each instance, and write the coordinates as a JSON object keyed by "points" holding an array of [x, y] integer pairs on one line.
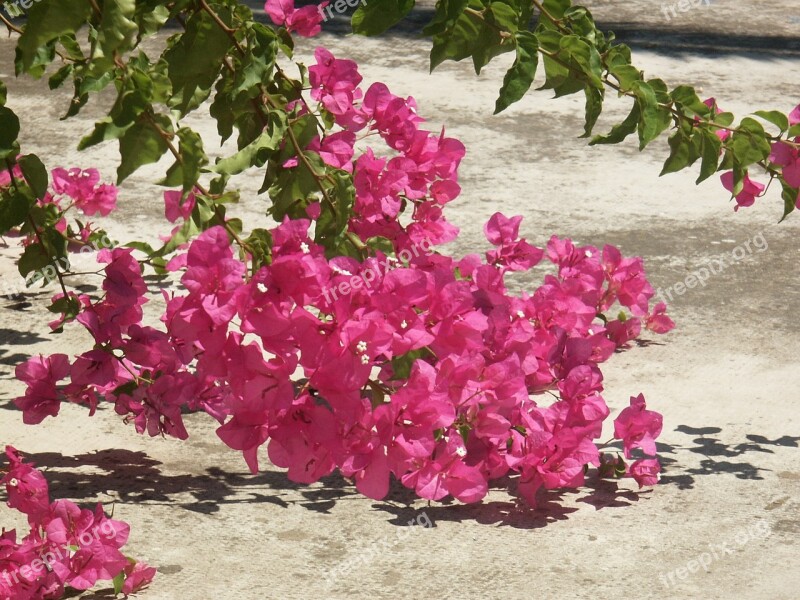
{"points": [[136, 477]]}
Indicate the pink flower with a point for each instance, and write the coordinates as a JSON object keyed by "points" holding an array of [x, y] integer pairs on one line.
{"points": [[658, 321], [750, 191], [137, 576], [788, 157], [794, 116], [722, 134], [83, 188], [638, 427], [645, 471], [27, 489], [42, 397], [306, 21], [334, 83], [174, 208]]}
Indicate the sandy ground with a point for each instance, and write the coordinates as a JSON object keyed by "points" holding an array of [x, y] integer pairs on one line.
{"points": [[726, 379]]}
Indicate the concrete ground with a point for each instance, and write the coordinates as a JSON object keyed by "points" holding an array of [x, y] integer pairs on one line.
{"points": [[724, 522]]}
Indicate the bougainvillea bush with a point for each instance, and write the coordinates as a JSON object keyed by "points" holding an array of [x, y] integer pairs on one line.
{"points": [[66, 546], [336, 336]]}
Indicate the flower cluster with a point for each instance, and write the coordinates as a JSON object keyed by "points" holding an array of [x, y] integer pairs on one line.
{"points": [[84, 189], [66, 547], [70, 188], [785, 157], [306, 21], [434, 373]]}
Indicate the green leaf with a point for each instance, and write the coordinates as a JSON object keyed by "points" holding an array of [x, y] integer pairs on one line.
{"points": [[34, 258], [710, 149], [777, 118], [195, 59], [9, 130], [626, 75], [194, 157], [447, 13], [401, 365], [376, 16], [686, 96], [35, 174], [14, 207], [257, 152], [117, 30], [104, 130], [118, 582], [791, 199], [520, 76], [585, 57], [47, 21], [651, 121], [59, 77], [594, 106], [680, 155], [471, 35], [141, 145], [619, 132], [749, 144]]}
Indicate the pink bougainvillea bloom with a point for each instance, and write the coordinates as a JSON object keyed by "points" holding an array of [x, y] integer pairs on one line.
{"points": [[750, 191], [42, 397], [794, 116], [137, 577], [82, 186], [103, 201], [175, 208], [722, 134], [645, 471], [306, 21], [638, 427], [658, 321], [26, 487]]}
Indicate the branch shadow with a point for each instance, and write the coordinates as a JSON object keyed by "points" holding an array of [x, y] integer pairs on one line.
{"points": [[135, 477], [717, 455]]}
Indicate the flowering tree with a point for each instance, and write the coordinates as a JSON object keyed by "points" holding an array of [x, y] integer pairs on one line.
{"points": [[333, 333]]}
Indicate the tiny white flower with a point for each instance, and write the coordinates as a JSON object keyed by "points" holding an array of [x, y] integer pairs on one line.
{"points": [[461, 451], [588, 254], [262, 288], [304, 248], [520, 314], [364, 359], [13, 483], [590, 331], [362, 346], [404, 324]]}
